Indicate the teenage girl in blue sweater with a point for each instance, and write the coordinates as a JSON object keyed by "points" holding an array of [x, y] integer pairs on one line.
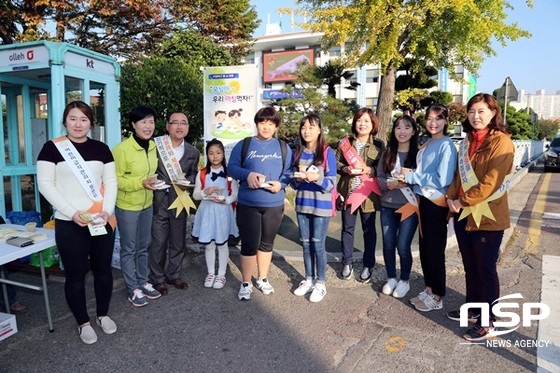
{"points": [[314, 180]]}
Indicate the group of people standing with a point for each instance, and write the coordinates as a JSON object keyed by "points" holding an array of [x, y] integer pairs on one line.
{"points": [[144, 183], [91, 188]]}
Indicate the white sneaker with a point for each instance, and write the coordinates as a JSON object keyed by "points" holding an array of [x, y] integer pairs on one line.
{"points": [[209, 281], [429, 304], [420, 297], [107, 324], [365, 276], [319, 292], [87, 334], [219, 282], [389, 286], [402, 288], [245, 291], [305, 287], [264, 286]]}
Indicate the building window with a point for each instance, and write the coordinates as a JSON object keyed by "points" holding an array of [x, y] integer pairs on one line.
{"points": [[335, 52], [371, 102], [372, 75], [353, 78]]}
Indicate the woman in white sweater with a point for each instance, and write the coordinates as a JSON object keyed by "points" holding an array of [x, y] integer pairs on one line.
{"points": [[76, 175]]}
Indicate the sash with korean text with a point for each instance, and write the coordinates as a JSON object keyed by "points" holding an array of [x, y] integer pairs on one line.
{"points": [[411, 206], [173, 169], [428, 191], [369, 185], [469, 179], [80, 169]]}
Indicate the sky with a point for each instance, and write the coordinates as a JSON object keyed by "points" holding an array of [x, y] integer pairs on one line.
{"points": [[532, 63]]}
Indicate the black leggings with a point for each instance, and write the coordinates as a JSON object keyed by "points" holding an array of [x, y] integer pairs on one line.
{"points": [[75, 246], [258, 227]]}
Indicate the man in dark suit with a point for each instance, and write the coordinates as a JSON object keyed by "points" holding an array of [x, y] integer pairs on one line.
{"points": [[169, 231]]}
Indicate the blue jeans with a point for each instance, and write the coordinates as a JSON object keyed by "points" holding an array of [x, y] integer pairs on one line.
{"points": [[397, 234], [135, 229], [370, 236], [313, 231]]}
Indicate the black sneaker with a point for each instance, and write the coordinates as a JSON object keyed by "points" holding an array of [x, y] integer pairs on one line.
{"points": [[477, 333], [456, 315]]}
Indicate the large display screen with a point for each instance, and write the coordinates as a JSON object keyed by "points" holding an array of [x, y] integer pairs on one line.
{"points": [[282, 66]]}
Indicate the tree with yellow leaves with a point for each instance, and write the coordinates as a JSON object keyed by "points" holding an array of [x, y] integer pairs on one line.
{"points": [[441, 32]]}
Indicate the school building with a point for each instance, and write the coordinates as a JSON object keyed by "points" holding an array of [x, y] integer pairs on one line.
{"points": [[278, 53]]}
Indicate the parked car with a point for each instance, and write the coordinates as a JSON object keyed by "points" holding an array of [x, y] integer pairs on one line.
{"points": [[551, 161]]}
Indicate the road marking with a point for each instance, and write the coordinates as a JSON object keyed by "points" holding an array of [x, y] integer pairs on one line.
{"points": [[548, 358], [534, 230], [551, 215], [396, 344]]}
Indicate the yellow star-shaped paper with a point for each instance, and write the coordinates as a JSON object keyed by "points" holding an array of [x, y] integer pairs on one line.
{"points": [[183, 201], [483, 208], [477, 211]]}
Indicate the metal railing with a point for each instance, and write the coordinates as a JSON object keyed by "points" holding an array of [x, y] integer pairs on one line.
{"points": [[527, 151]]}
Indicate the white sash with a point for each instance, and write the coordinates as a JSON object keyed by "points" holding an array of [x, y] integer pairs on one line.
{"points": [[167, 156], [78, 167], [427, 191], [407, 192], [468, 180], [173, 168]]}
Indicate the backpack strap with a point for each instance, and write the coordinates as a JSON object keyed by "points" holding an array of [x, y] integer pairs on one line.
{"points": [[203, 173], [244, 149], [284, 151]]}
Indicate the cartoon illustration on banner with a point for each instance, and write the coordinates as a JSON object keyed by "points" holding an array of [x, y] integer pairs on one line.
{"points": [[230, 103]]}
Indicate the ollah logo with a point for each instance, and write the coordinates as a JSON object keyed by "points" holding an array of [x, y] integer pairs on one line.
{"points": [[498, 310], [30, 54]]}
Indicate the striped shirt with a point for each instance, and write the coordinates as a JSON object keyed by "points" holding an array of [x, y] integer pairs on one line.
{"points": [[356, 180], [315, 198]]}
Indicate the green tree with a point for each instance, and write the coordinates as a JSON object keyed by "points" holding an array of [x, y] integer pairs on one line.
{"points": [[331, 74], [196, 48], [335, 114], [518, 123], [548, 128], [128, 29], [442, 97], [410, 100], [436, 32], [228, 22], [416, 75], [166, 85]]}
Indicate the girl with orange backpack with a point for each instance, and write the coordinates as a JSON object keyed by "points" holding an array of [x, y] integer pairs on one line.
{"points": [[214, 221]]}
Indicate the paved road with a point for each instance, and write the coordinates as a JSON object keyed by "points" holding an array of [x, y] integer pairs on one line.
{"points": [[354, 329]]}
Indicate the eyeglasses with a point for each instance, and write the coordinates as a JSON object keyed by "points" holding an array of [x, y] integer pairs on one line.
{"points": [[179, 123]]}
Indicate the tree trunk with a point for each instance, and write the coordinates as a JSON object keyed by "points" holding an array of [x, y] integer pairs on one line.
{"points": [[386, 100], [60, 25]]}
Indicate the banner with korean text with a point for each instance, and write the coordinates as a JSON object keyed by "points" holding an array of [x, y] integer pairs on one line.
{"points": [[230, 103]]}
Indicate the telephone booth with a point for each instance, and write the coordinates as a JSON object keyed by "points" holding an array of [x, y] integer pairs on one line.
{"points": [[37, 80]]}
